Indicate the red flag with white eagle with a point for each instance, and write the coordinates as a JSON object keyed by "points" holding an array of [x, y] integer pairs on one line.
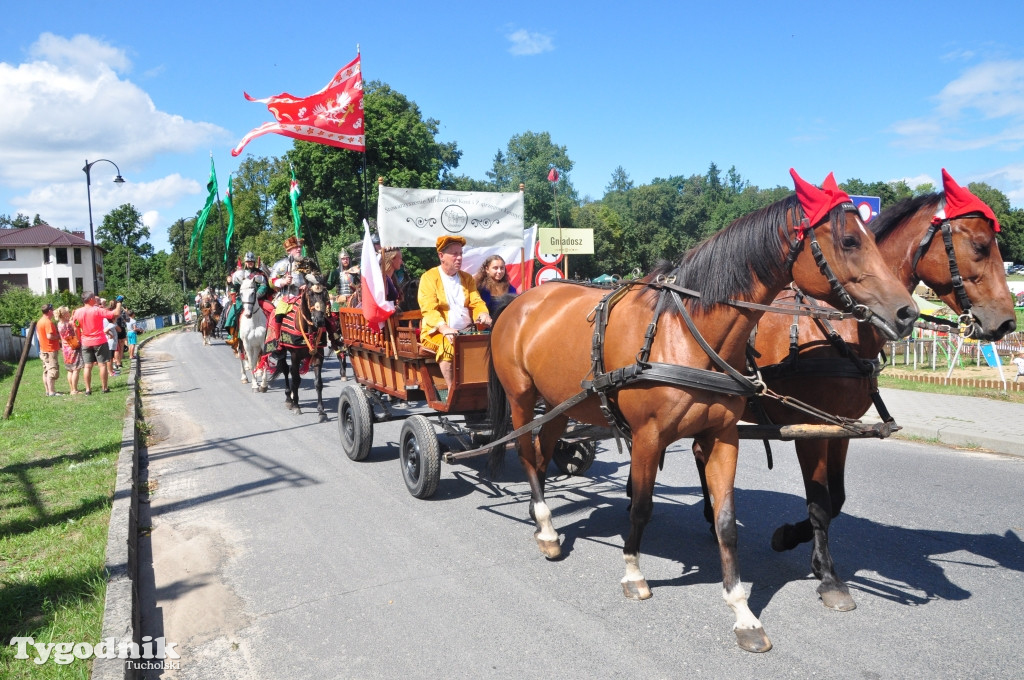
{"points": [[332, 116], [553, 175]]}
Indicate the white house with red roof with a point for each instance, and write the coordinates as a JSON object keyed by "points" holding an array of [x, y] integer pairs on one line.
{"points": [[44, 260]]}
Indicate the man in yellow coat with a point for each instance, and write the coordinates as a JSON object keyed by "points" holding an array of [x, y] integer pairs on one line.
{"points": [[449, 301]]}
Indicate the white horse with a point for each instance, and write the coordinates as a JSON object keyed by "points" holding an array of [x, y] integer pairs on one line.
{"points": [[252, 331]]}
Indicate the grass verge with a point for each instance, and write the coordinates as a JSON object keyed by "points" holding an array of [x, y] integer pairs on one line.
{"points": [[899, 383], [59, 463], [58, 466]]}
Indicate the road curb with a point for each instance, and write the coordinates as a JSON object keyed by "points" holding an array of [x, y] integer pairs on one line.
{"points": [[121, 611]]}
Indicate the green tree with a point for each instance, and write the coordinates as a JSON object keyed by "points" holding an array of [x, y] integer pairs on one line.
{"points": [[1011, 222], [620, 182], [254, 201], [152, 297], [123, 226], [888, 192], [1011, 238], [121, 267], [19, 221], [527, 160]]}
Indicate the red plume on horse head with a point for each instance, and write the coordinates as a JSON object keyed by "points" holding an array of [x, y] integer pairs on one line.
{"points": [[960, 201], [817, 203]]}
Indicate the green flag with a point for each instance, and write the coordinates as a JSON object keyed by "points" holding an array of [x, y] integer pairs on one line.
{"points": [[197, 232], [231, 219], [293, 192]]}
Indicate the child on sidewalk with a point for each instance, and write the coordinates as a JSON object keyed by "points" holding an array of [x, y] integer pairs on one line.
{"points": [[1019, 361]]}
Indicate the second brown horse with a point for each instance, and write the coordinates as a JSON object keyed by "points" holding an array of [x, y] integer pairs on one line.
{"points": [[814, 370]]}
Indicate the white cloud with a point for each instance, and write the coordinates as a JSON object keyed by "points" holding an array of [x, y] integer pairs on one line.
{"points": [[983, 108], [64, 204], [918, 180], [994, 90], [70, 103], [525, 43], [82, 54], [1008, 179]]}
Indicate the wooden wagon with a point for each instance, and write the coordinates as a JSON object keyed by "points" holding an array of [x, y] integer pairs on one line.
{"points": [[395, 378]]}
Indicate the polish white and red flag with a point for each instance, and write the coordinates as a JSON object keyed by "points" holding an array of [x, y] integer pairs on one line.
{"points": [[518, 259], [376, 308], [332, 116]]}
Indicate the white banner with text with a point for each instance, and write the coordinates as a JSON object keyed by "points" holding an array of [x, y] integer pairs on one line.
{"points": [[414, 218]]}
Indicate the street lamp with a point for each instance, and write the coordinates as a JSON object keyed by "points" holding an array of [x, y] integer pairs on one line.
{"points": [[88, 194]]}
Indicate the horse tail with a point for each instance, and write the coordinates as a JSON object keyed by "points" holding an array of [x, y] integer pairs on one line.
{"points": [[498, 415]]}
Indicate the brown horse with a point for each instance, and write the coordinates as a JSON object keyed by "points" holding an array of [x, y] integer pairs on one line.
{"points": [[303, 339], [206, 321], [543, 346], [816, 372]]}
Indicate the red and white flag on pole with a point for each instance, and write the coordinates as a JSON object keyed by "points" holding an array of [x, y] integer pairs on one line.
{"points": [[332, 116], [376, 309]]}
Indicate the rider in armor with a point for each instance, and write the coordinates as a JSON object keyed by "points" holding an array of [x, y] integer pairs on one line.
{"points": [[287, 282], [343, 281], [250, 269]]}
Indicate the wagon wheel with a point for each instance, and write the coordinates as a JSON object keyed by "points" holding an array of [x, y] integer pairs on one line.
{"points": [[420, 456], [574, 459], [355, 423]]}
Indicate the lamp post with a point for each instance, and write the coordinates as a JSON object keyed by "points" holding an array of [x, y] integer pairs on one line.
{"points": [[88, 194]]}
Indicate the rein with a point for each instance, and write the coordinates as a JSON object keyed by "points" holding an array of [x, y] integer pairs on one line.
{"points": [[728, 381]]}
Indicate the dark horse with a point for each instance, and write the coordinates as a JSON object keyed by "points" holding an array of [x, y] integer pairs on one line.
{"points": [[304, 337], [541, 347], [815, 370]]}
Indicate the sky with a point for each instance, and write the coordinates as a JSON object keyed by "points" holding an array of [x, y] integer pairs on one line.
{"points": [[873, 91]]}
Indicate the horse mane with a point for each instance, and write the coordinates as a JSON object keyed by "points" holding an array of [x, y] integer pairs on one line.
{"points": [[728, 264], [887, 220]]}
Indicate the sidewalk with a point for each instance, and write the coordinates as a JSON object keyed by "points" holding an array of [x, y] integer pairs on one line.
{"points": [[957, 421]]}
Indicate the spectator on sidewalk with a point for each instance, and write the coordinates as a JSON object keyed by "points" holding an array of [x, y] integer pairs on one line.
{"points": [[1019, 362], [49, 345], [95, 351], [110, 330], [71, 344], [132, 327]]}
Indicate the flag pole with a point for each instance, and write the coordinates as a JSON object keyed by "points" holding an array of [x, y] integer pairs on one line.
{"points": [[220, 218], [366, 193]]}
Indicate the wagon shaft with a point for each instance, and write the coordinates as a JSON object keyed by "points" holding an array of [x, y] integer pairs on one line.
{"points": [[856, 430]]}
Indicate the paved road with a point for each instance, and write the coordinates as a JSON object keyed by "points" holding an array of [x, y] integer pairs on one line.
{"points": [[274, 556]]}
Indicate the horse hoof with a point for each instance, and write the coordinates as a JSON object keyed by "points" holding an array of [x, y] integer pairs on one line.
{"points": [[323, 417], [781, 542], [636, 590], [551, 549], [837, 600], [752, 639]]}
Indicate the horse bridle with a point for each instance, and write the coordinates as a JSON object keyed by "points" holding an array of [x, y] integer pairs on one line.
{"points": [[304, 322], [803, 230], [942, 223]]}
